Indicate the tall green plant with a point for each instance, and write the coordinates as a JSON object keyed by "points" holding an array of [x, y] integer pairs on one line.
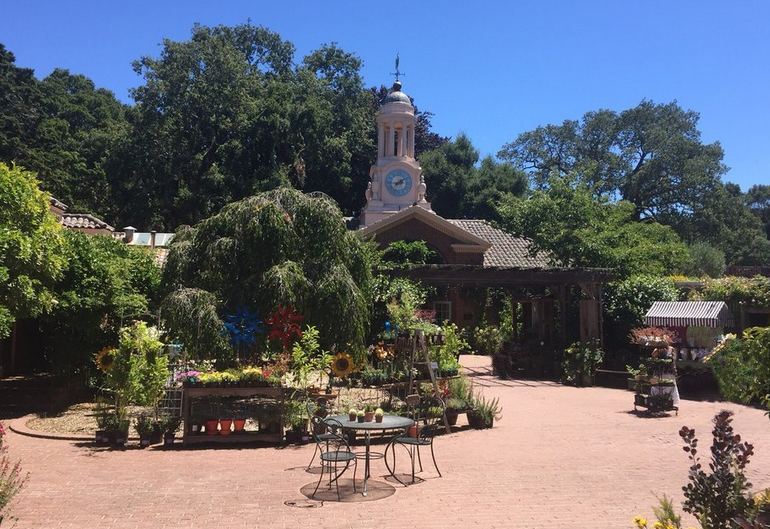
{"points": [[32, 249], [139, 370], [742, 366], [281, 247]]}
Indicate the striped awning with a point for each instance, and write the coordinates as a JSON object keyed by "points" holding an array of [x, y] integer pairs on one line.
{"points": [[689, 313]]}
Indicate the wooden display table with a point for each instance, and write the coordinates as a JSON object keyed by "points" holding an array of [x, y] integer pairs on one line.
{"points": [[277, 394]]}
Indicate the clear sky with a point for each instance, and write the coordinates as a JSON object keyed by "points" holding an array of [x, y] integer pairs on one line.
{"points": [[491, 69]]}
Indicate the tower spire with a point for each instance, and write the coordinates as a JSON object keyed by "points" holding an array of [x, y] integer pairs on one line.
{"points": [[398, 73]]}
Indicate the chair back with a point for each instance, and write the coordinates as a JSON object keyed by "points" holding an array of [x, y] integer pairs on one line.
{"points": [[334, 440]]}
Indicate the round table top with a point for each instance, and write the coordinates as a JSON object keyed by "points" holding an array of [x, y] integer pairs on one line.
{"points": [[389, 422]]}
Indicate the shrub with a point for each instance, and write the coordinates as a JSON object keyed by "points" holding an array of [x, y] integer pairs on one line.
{"points": [[139, 371], [718, 496], [627, 301], [12, 479], [488, 339], [706, 260], [742, 366], [580, 360]]}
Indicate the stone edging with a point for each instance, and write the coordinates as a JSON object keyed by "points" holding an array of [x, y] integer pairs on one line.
{"points": [[19, 426]]}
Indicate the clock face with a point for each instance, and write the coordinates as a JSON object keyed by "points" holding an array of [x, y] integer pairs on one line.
{"points": [[398, 182]]}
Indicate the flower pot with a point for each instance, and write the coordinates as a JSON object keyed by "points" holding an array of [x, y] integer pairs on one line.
{"points": [[239, 425], [101, 437], [195, 428], [211, 426], [224, 426], [360, 418], [475, 420], [352, 416], [156, 437], [451, 416], [378, 418], [368, 416], [120, 439], [587, 380], [168, 439], [144, 442], [413, 431]]}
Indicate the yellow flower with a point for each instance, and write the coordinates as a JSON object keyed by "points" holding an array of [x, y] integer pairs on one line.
{"points": [[105, 358], [381, 352], [641, 523], [342, 365], [658, 525]]}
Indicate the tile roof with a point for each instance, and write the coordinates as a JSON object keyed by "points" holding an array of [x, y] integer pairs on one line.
{"points": [[84, 221], [507, 251]]}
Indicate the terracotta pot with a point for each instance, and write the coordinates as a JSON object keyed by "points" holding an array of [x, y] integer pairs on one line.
{"points": [[368, 416], [224, 426], [378, 418], [211, 426], [413, 431], [239, 424]]}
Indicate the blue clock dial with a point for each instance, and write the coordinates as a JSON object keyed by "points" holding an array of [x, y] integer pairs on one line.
{"points": [[398, 182]]}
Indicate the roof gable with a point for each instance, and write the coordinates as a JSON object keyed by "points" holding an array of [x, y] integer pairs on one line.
{"points": [[466, 241], [506, 250]]}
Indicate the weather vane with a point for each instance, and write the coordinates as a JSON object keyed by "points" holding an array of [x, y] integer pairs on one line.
{"points": [[398, 73]]}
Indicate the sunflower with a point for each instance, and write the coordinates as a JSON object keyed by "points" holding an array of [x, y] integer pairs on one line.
{"points": [[105, 358], [342, 365]]}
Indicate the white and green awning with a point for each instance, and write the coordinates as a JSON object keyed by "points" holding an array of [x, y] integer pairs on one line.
{"points": [[689, 313]]}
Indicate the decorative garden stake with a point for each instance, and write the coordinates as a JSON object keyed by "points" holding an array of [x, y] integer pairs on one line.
{"points": [[284, 326]]}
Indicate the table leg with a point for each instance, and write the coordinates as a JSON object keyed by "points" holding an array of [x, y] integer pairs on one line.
{"points": [[366, 464]]}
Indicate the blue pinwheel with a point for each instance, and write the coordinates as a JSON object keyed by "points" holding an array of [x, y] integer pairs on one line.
{"points": [[243, 326]]}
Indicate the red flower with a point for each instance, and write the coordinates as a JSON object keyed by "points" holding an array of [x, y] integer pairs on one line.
{"points": [[284, 326]]}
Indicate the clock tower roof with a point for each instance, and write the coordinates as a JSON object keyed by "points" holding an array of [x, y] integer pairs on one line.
{"points": [[396, 95]]}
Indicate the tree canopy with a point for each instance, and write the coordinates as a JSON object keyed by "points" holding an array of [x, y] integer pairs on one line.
{"points": [[460, 187], [278, 248], [575, 228], [31, 248]]}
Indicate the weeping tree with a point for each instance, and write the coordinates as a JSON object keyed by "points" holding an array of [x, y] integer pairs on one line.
{"points": [[278, 248]]}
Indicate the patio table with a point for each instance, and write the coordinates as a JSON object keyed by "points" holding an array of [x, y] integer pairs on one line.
{"points": [[389, 422]]}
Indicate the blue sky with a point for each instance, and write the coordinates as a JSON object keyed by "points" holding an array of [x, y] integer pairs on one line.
{"points": [[491, 69]]}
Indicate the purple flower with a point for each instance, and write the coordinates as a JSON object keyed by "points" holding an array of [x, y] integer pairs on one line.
{"points": [[189, 376]]}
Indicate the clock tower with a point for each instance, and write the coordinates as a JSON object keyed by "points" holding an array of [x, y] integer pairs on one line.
{"points": [[395, 180]]}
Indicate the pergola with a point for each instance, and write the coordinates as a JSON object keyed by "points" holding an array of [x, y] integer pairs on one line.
{"points": [[546, 295]]}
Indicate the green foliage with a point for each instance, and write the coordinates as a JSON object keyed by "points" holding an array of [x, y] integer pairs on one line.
{"points": [[718, 496], [742, 366], [706, 261], [307, 357], [31, 248], [488, 339], [12, 479], [735, 291], [758, 200], [575, 228], [139, 371], [104, 284], [651, 155], [581, 360], [397, 300], [458, 188], [454, 341], [401, 253], [627, 301], [486, 410], [277, 248]]}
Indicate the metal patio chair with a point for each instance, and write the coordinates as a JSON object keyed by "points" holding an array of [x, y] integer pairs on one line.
{"points": [[426, 434], [334, 452]]}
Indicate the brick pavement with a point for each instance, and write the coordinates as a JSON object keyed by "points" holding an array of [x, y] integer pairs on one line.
{"points": [[560, 458]]}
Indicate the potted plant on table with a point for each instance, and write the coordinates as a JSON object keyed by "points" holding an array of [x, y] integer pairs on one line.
{"points": [[352, 414], [361, 416], [378, 415], [368, 413]]}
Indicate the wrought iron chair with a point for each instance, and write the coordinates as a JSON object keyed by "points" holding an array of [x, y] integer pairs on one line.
{"points": [[319, 429], [334, 451], [425, 436]]}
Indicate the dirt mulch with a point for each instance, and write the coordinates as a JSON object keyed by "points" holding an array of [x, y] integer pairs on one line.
{"points": [[78, 419]]}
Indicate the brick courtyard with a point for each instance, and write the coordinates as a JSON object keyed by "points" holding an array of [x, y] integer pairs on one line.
{"points": [[561, 458]]}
